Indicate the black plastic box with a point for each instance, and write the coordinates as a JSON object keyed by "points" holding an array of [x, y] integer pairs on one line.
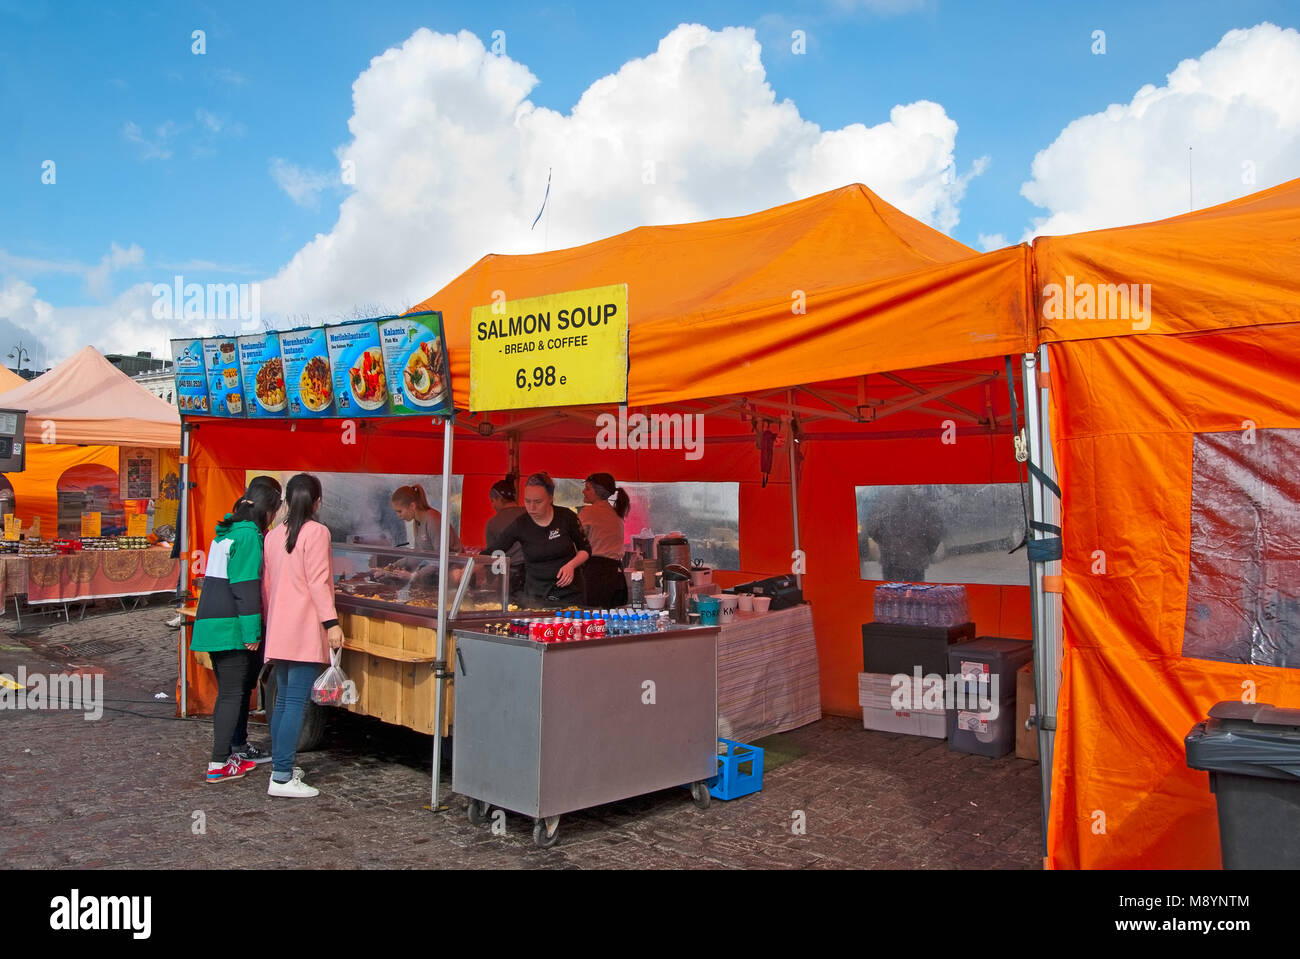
{"points": [[992, 656], [970, 731], [1252, 753], [892, 648]]}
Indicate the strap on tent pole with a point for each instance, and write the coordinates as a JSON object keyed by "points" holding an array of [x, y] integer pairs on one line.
{"points": [[1044, 564], [439, 700], [794, 484], [183, 532]]}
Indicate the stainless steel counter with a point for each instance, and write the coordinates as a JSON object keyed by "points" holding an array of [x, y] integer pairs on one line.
{"points": [[544, 729]]}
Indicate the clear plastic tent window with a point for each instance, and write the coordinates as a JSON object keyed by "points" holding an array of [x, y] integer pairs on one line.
{"points": [[1243, 588]]}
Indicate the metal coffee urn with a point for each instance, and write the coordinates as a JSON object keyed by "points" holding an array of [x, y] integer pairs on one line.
{"points": [[674, 550], [677, 584]]}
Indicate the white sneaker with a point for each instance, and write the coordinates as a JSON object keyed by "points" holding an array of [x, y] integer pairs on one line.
{"points": [[295, 788], [175, 621]]}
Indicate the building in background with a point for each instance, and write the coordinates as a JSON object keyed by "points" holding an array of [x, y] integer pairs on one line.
{"points": [[154, 374]]}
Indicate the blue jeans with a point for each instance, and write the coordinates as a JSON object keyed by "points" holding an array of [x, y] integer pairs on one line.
{"points": [[293, 682]]}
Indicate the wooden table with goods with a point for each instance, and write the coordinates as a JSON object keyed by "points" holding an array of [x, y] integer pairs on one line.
{"points": [[100, 574]]}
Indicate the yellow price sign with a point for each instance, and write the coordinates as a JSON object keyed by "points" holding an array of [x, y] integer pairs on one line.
{"points": [[89, 524], [563, 349], [13, 527], [34, 531], [137, 524]]}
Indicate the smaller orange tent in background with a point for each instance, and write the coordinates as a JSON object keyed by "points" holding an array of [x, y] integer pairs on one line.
{"points": [[9, 380], [78, 415]]}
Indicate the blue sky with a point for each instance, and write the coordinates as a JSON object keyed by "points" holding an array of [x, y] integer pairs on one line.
{"points": [[170, 155]]}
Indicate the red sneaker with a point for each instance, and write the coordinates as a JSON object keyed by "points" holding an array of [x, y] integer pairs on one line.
{"points": [[235, 768]]}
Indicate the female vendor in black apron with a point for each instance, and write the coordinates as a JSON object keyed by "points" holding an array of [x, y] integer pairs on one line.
{"points": [[603, 524], [555, 547]]}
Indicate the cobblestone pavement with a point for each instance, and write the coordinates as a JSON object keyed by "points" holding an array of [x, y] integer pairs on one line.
{"points": [[127, 791]]}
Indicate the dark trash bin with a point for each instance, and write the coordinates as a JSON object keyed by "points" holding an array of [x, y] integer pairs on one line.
{"points": [[1252, 753]]}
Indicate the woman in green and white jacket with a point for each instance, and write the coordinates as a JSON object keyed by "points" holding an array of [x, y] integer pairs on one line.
{"points": [[228, 625]]}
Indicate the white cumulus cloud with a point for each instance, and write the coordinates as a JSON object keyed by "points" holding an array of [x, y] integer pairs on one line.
{"points": [[1237, 106], [450, 160]]}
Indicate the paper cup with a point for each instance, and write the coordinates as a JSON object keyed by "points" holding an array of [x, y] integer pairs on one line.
{"points": [[745, 602], [761, 603]]}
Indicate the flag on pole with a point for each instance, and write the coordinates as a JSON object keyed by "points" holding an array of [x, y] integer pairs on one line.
{"points": [[544, 199]]}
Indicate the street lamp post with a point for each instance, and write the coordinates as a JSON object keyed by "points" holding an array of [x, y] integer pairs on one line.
{"points": [[19, 353]]}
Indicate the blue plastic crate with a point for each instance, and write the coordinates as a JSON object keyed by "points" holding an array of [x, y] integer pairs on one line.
{"points": [[732, 781]]}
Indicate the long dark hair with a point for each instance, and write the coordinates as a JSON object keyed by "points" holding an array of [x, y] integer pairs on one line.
{"points": [[257, 504], [621, 503], [301, 494]]}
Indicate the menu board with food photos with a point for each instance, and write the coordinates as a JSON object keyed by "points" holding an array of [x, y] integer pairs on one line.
{"points": [[225, 385], [191, 380], [357, 362], [415, 356], [263, 373], [307, 380], [390, 366]]}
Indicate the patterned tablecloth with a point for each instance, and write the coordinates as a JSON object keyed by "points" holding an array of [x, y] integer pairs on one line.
{"points": [[13, 577], [767, 673], [100, 575]]}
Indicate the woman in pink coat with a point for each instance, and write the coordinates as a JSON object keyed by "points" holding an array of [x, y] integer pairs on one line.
{"points": [[302, 625]]}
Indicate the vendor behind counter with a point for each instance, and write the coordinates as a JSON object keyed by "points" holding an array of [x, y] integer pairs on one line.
{"points": [[553, 543]]}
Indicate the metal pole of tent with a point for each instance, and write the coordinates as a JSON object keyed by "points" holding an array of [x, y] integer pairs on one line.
{"points": [[1044, 508], [794, 488], [183, 531], [439, 702]]}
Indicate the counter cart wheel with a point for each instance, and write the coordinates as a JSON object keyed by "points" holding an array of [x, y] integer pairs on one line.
{"points": [[546, 832], [478, 812], [700, 793]]}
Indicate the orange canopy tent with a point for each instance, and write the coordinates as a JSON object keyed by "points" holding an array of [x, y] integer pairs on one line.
{"points": [[10, 380], [78, 414], [764, 317], [1173, 408]]}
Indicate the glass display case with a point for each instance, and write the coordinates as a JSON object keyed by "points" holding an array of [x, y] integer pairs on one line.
{"points": [[402, 584]]}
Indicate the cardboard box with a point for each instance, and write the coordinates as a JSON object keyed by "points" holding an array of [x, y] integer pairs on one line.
{"points": [[1026, 739]]}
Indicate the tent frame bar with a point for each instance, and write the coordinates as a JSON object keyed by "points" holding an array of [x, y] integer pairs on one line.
{"points": [[183, 532], [1045, 607], [441, 673]]}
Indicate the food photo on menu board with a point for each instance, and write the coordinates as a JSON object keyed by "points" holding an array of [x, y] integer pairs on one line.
{"points": [[307, 379], [263, 370], [191, 381], [416, 357], [357, 362], [225, 385]]}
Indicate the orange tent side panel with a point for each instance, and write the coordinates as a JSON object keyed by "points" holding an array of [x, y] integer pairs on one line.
{"points": [[36, 487], [1125, 419]]}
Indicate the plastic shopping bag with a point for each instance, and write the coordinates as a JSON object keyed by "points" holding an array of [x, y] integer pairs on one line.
{"points": [[332, 687]]}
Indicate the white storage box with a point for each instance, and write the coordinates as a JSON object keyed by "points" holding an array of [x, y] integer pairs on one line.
{"points": [[875, 694], [918, 723]]}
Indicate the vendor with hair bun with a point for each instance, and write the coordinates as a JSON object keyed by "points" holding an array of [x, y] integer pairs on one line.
{"points": [[506, 509], [603, 524], [554, 545]]}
